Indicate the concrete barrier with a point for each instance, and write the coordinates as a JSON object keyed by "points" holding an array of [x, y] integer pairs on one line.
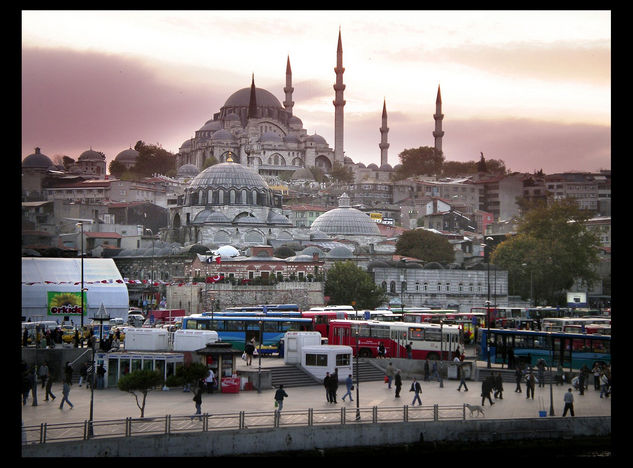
{"points": [[309, 438]]}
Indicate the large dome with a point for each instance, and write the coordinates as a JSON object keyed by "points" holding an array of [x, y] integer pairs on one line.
{"points": [[345, 220], [127, 156], [37, 160], [227, 175], [242, 98]]}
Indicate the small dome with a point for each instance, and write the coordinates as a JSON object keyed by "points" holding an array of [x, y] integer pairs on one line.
{"points": [[186, 144], [294, 120], [340, 252], [91, 155], [127, 156], [317, 139], [227, 251], [284, 252], [386, 167], [372, 166], [360, 165], [246, 220], [211, 126], [187, 170], [276, 218], [345, 220], [37, 160], [291, 139], [223, 135]]}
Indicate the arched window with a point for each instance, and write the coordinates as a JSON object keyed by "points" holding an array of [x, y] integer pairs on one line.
{"points": [[392, 287]]}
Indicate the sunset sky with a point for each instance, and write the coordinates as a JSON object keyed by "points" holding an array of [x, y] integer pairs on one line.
{"points": [[532, 88]]}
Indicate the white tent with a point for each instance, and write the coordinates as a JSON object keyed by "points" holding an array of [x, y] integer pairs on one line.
{"points": [[101, 277]]}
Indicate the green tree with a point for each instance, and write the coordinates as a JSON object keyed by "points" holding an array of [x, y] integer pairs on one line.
{"points": [[116, 168], [424, 160], [210, 161], [552, 249], [425, 245], [346, 282], [341, 173], [141, 381], [152, 159]]}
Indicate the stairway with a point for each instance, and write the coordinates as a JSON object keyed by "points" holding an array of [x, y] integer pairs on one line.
{"points": [[291, 376]]}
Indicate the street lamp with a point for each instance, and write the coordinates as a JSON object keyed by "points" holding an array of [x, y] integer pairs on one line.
{"points": [[357, 378], [441, 352], [81, 225], [488, 305]]}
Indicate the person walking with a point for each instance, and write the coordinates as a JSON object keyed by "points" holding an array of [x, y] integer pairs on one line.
{"points": [[209, 381], [604, 384], [333, 385], [409, 350], [518, 375], [280, 394], [486, 388], [326, 384], [68, 372], [596, 376], [434, 371], [197, 399], [42, 374], [249, 349], [66, 393], [541, 373], [529, 385], [462, 378], [415, 387], [389, 372], [349, 385], [100, 376], [398, 383], [426, 370], [27, 384], [83, 373], [49, 385], [568, 398], [498, 386], [581, 382]]}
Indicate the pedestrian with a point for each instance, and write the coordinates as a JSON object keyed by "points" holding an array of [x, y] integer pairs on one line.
{"points": [[426, 370], [42, 374], [596, 376], [25, 337], [197, 399], [462, 378], [349, 385], [65, 393], [541, 373], [49, 385], [604, 385], [209, 381], [280, 394], [434, 371], [389, 372], [100, 376], [518, 375], [568, 398], [68, 372], [415, 387], [326, 384], [333, 385], [398, 383], [83, 373], [76, 338], [581, 382], [486, 388], [409, 349], [249, 349], [529, 384], [558, 378], [27, 383], [498, 385], [381, 350]]}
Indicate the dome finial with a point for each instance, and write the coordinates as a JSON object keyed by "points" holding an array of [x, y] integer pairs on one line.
{"points": [[229, 158]]}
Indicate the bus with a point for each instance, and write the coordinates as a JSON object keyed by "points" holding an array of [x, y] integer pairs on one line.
{"points": [[569, 350], [572, 324], [501, 316], [268, 308], [238, 330], [381, 315], [428, 341]]}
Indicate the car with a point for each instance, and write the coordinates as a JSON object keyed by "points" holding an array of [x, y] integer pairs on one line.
{"points": [[68, 333]]}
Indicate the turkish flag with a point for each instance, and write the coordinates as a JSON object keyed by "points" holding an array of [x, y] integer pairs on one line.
{"points": [[218, 259], [214, 279]]}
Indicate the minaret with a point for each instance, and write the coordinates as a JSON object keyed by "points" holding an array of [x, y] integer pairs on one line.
{"points": [[252, 104], [288, 103], [438, 116], [339, 102], [384, 146]]}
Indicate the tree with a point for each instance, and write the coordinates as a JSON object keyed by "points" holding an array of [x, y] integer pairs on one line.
{"points": [[140, 381], [425, 245], [210, 161], [347, 283], [341, 173], [116, 168], [152, 159], [552, 249], [419, 161]]}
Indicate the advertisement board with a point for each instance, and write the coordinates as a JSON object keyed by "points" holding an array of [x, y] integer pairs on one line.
{"points": [[65, 303]]}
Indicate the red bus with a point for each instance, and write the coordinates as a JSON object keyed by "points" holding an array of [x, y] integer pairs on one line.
{"points": [[321, 319], [428, 340]]}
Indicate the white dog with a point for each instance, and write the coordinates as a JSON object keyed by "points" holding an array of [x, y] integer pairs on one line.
{"points": [[475, 408]]}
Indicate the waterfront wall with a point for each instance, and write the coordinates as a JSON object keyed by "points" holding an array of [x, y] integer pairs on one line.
{"points": [[309, 438]]}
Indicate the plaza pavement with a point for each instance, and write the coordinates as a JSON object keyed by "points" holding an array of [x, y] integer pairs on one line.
{"points": [[112, 403]]}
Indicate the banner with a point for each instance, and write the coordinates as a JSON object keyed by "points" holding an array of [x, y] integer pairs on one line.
{"points": [[65, 303]]}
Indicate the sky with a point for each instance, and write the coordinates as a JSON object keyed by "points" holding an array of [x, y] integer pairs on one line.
{"points": [[531, 88]]}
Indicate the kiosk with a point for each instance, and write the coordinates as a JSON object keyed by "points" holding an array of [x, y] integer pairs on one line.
{"points": [[294, 341], [317, 360], [221, 359], [120, 363]]}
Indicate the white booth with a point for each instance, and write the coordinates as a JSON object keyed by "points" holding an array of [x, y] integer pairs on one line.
{"points": [[294, 341], [146, 339], [317, 360], [120, 363], [193, 340]]}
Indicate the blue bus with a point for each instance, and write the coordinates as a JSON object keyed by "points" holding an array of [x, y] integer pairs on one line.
{"points": [[569, 350], [238, 330], [269, 308]]}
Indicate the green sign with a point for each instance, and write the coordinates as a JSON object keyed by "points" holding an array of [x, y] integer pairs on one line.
{"points": [[65, 303]]}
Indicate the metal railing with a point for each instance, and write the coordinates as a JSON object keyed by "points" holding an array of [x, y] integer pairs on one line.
{"points": [[168, 424]]}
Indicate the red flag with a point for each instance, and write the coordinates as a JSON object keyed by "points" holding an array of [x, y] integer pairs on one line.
{"points": [[218, 259], [214, 279]]}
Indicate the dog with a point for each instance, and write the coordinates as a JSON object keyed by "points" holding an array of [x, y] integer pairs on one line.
{"points": [[475, 408]]}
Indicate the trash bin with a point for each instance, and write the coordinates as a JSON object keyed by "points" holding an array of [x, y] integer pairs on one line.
{"points": [[452, 371]]}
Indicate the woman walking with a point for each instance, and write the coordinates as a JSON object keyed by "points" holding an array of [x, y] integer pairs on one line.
{"points": [[66, 392]]}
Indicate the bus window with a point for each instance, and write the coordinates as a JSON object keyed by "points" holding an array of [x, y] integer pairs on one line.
{"points": [[380, 332], [191, 324], [416, 334], [432, 334]]}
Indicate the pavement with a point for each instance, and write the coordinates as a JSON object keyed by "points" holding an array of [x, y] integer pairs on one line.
{"points": [[112, 403]]}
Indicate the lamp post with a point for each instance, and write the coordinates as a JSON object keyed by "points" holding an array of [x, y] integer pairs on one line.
{"points": [[152, 271], [259, 370], [81, 225], [488, 306], [357, 379], [441, 352]]}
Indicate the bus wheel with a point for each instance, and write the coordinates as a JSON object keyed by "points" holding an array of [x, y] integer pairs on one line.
{"points": [[364, 353], [433, 356]]}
